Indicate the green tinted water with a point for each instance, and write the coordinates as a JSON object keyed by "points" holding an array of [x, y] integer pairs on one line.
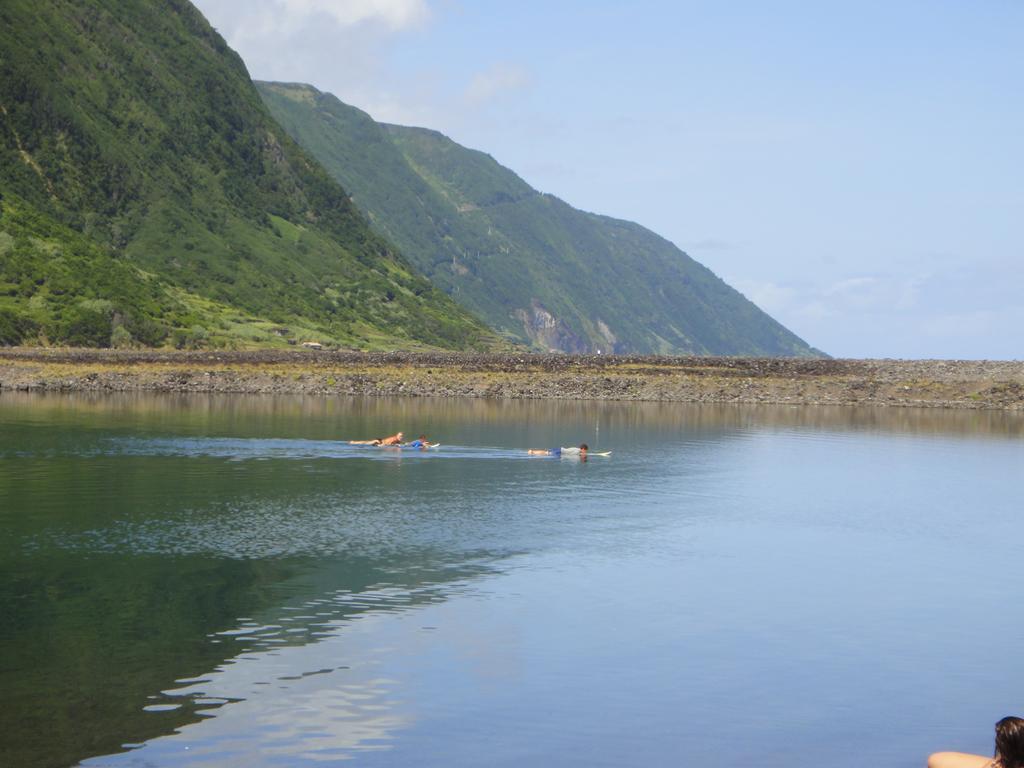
{"points": [[211, 581]]}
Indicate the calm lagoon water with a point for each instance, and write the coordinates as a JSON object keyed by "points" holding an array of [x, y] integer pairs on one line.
{"points": [[215, 581]]}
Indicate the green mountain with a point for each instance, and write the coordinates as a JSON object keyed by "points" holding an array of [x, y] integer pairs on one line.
{"points": [[147, 196], [536, 269]]}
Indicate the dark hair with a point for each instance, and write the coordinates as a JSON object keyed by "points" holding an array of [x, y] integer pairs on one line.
{"points": [[583, 447], [1010, 742]]}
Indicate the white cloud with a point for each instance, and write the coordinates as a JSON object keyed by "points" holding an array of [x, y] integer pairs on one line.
{"points": [[347, 47], [260, 19], [826, 312], [708, 244], [853, 286], [909, 292], [498, 79], [964, 324], [265, 29], [389, 107], [814, 311], [898, 293], [395, 14], [929, 314], [769, 296]]}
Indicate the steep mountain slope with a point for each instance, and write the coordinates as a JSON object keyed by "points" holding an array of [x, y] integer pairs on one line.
{"points": [[134, 124], [534, 267]]}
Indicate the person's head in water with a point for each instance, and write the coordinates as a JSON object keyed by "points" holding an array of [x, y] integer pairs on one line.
{"points": [[1010, 742], [583, 448]]}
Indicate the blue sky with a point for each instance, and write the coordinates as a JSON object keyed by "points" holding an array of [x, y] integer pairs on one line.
{"points": [[855, 168]]}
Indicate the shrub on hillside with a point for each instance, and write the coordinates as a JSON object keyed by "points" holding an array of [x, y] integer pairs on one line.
{"points": [[120, 338], [15, 327], [82, 326]]}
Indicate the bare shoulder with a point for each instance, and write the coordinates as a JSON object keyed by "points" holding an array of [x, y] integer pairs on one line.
{"points": [[959, 760]]}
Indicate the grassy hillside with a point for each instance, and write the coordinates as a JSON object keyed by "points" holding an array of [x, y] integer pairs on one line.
{"points": [[133, 124], [58, 283], [535, 268]]}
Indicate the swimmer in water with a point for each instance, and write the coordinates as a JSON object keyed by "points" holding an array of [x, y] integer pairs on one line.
{"points": [[420, 442], [1009, 751], [581, 451], [395, 439]]}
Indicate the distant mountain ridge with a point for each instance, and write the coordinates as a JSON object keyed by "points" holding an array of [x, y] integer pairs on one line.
{"points": [[145, 190], [538, 270]]}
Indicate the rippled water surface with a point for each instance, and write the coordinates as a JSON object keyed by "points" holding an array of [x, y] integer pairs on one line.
{"points": [[215, 581]]}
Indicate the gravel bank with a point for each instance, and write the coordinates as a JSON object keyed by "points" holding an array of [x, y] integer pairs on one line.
{"points": [[919, 383]]}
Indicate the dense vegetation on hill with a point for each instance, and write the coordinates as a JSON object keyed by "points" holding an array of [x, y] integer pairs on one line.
{"points": [[57, 282], [535, 268], [147, 195]]}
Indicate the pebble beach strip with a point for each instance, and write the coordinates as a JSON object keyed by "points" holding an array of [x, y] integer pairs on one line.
{"points": [[917, 383]]}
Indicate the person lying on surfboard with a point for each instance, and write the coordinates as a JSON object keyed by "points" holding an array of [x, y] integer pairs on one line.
{"points": [[581, 451], [395, 439], [420, 442]]}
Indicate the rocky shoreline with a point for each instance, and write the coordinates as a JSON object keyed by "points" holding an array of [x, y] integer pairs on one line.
{"points": [[917, 383]]}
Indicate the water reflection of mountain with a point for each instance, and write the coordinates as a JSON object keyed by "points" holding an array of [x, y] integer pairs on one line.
{"points": [[121, 571], [90, 640], [322, 418], [122, 567]]}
